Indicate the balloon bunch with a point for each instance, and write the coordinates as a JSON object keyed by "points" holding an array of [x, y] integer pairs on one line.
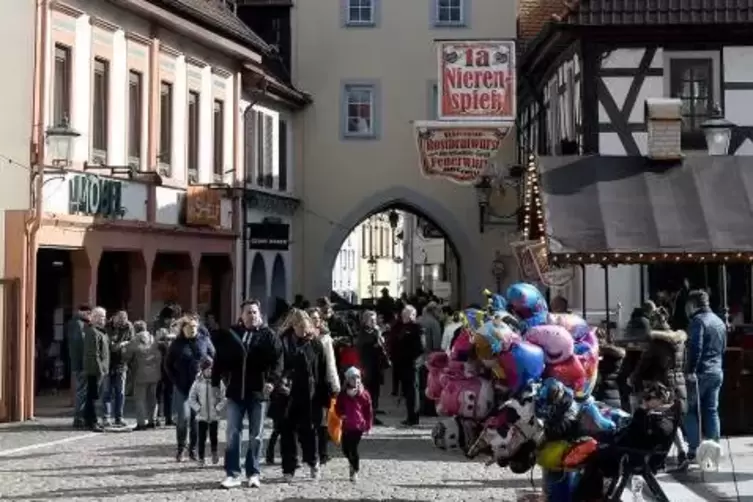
{"points": [[516, 386]]}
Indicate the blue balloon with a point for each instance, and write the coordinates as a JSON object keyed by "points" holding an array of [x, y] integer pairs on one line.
{"points": [[529, 363], [528, 303], [497, 303]]}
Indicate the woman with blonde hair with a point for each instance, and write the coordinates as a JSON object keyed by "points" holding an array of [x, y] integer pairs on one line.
{"points": [[182, 364], [307, 392], [321, 328]]}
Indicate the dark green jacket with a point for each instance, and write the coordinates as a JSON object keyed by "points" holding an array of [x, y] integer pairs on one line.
{"points": [[96, 352], [75, 332]]}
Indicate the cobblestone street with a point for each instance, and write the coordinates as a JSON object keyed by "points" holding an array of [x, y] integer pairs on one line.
{"points": [[45, 461]]}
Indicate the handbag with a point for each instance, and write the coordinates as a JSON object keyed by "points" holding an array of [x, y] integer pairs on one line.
{"points": [[334, 423]]}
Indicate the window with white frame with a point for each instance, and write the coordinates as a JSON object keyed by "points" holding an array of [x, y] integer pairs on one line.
{"points": [[359, 103], [267, 144], [449, 12], [360, 12]]}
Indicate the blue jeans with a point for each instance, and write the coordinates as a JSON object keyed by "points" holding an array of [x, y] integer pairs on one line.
{"points": [[79, 382], [113, 395], [185, 422], [708, 389], [236, 411]]}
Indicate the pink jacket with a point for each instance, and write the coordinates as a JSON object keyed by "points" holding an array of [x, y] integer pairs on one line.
{"points": [[355, 411]]}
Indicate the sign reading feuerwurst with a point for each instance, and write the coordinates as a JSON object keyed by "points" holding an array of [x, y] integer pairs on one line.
{"points": [[458, 152], [476, 80]]}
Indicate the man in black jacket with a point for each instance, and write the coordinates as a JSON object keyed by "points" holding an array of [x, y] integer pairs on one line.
{"points": [[410, 345], [249, 360]]}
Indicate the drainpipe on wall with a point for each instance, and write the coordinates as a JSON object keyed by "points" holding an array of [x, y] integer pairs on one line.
{"points": [[153, 119], [24, 402]]}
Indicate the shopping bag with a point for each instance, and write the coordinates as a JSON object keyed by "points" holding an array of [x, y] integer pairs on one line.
{"points": [[334, 424]]}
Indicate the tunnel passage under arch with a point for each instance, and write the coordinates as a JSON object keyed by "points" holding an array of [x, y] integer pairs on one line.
{"points": [[467, 250]]}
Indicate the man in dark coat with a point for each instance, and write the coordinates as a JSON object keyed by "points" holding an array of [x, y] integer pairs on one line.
{"points": [[249, 359], [120, 334], [408, 358], [96, 364], [75, 333]]}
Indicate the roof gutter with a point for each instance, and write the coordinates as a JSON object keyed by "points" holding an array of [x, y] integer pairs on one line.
{"points": [[275, 88], [188, 29]]}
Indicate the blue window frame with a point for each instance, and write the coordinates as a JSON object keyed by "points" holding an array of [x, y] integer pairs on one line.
{"points": [[360, 13], [450, 13], [360, 109]]}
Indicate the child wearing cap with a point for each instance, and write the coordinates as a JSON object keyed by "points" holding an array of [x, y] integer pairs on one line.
{"points": [[354, 407], [207, 404]]}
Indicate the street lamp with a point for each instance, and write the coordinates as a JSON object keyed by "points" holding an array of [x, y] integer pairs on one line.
{"points": [[498, 270], [718, 131], [372, 262], [60, 140], [483, 193]]}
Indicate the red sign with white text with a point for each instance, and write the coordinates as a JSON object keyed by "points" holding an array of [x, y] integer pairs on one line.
{"points": [[476, 80]]}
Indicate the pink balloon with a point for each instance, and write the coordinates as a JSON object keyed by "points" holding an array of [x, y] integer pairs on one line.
{"points": [[556, 341], [468, 397]]}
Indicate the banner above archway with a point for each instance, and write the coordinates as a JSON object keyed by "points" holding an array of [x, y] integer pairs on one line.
{"points": [[475, 109], [459, 152]]}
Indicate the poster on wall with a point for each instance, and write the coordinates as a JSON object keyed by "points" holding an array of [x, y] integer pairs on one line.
{"points": [[476, 80], [458, 152]]}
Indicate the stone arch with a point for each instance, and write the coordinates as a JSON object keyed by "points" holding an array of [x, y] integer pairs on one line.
{"points": [[468, 250], [257, 279]]}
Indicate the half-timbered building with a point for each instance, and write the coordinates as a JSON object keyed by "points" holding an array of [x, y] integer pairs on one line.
{"points": [[587, 69]]}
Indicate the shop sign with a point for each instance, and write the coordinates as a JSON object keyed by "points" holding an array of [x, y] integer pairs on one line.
{"points": [[476, 80], [458, 152], [534, 265], [95, 196], [269, 236], [203, 207]]}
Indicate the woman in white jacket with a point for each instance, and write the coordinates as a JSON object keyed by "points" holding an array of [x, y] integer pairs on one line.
{"points": [[320, 325]]}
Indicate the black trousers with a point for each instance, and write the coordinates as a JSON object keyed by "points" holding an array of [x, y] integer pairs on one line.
{"points": [[204, 428], [165, 394], [409, 383], [396, 377], [350, 442], [272, 442], [293, 432], [90, 404]]}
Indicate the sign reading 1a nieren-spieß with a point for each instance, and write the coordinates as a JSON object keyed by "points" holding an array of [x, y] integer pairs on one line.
{"points": [[95, 196]]}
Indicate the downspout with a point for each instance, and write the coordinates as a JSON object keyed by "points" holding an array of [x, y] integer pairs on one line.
{"points": [[24, 408]]}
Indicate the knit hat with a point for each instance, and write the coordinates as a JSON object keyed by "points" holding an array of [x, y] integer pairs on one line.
{"points": [[352, 373]]}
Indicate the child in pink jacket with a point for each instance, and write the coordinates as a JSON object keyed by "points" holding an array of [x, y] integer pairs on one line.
{"points": [[354, 407]]}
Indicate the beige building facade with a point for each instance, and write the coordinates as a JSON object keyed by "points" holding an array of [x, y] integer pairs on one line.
{"points": [[371, 66]]}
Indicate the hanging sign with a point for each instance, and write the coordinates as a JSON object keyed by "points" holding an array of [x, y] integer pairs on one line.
{"points": [[269, 236], [458, 152], [476, 80], [95, 196], [534, 265], [203, 206]]}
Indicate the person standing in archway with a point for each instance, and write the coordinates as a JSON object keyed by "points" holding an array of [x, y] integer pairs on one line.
{"points": [[410, 345]]}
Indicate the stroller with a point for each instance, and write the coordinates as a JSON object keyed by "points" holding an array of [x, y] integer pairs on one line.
{"points": [[640, 450]]}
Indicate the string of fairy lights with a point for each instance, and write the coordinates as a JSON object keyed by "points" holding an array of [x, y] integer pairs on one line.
{"points": [[532, 204]]}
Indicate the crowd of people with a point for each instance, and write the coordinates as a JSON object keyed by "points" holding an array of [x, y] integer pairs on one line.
{"points": [[190, 374]]}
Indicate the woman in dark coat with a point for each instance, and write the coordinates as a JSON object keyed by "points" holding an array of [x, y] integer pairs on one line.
{"points": [[608, 387], [373, 357], [664, 362]]}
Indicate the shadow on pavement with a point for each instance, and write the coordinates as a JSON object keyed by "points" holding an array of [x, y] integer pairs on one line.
{"points": [[40, 426], [106, 492], [144, 472], [508, 484], [300, 499], [13, 458], [406, 448], [76, 468], [703, 484]]}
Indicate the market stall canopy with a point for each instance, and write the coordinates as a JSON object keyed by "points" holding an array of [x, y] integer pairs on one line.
{"points": [[631, 209]]}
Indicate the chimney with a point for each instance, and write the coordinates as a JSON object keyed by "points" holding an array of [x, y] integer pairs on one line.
{"points": [[664, 125]]}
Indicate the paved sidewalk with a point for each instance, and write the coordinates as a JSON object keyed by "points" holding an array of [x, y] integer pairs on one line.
{"points": [[44, 461]]}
